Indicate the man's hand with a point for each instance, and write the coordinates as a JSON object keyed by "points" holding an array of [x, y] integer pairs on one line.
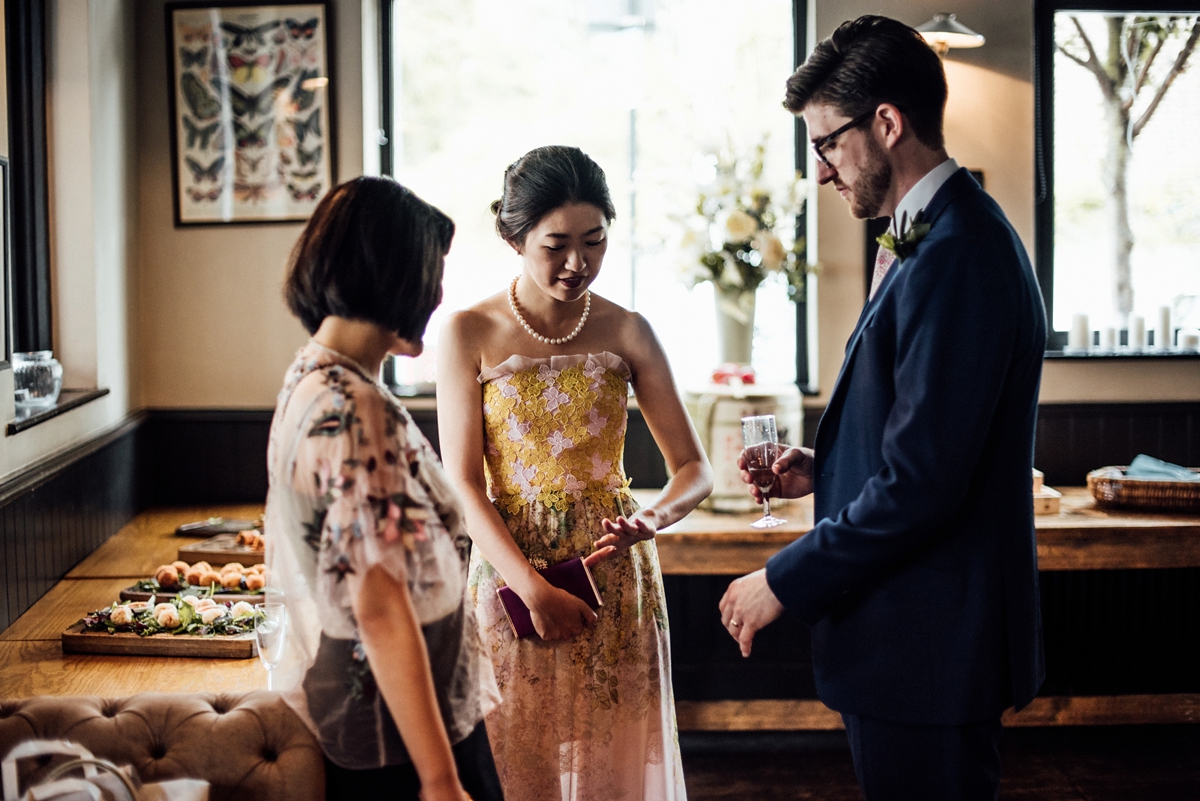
{"points": [[794, 467], [747, 606]]}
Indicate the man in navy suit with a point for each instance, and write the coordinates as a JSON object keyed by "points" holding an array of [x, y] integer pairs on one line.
{"points": [[919, 580]]}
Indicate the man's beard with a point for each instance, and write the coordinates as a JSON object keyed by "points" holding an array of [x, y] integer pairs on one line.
{"points": [[874, 181]]}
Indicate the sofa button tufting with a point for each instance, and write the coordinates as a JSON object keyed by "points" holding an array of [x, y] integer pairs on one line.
{"points": [[158, 751], [109, 710], [270, 754]]}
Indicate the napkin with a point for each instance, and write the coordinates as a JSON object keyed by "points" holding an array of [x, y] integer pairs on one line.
{"points": [[1148, 467]]}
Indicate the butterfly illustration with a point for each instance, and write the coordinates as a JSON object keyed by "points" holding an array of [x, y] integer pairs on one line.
{"points": [[250, 193], [195, 33], [253, 35], [309, 127], [251, 105], [248, 70], [305, 192], [203, 105], [197, 134], [305, 53], [193, 58], [311, 157], [302, 30], [200, 196], [247, 165], [303, 98], [252, 137], [201, 173], [305, 175]]}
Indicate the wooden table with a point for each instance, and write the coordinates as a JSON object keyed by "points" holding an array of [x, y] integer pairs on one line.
{"points": [[1080, 537], [31, 659]]}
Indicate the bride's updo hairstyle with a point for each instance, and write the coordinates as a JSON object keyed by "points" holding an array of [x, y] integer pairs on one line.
{"points": [[371, 251], [543, 180]]}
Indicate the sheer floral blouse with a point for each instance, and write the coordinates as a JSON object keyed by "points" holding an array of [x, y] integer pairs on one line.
{"points": [[354, 484]]}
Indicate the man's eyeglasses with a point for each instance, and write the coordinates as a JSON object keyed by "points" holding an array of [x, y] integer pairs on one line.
{"points": [[825, 141]]}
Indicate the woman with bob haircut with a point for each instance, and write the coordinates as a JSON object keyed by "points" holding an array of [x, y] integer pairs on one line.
{"points": [[365, 539], [532, 390]]}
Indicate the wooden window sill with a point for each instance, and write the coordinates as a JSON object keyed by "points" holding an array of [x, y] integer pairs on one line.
{"points": [[68, 399]]}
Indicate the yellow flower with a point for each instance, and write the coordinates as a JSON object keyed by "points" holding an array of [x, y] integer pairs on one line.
{"points": [[771, 249], [740, 226]]}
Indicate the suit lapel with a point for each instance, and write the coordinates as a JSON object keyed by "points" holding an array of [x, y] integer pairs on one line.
{"points": [[958, 183]]}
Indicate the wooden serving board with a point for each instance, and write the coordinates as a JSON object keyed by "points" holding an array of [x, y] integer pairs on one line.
{"points": [[219, 550], [77, 641], [134, 594]]}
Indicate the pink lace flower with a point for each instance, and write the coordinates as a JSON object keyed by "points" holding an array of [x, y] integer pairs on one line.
{"points": [[517, 429], [559, 443], [596, 422], [507, 390], [601, 467], [593, 371], [545, 374], [555, 397], [573, 486]]}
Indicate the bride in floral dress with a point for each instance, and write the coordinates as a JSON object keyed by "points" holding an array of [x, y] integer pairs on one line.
{"points": [[532, 391]]}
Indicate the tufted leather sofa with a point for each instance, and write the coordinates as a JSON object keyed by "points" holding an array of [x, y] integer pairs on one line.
{"points": [[248, 746]]}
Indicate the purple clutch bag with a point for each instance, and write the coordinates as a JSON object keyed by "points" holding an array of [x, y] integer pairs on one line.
{"points": [[572, 575]]}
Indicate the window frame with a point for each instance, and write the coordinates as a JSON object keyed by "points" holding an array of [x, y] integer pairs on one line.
{"points": [[386, 18], [1043, 87]]}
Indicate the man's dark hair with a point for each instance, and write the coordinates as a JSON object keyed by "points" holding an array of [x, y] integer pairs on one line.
{"points": [[371, 251], [873, 60], [543, 180]]}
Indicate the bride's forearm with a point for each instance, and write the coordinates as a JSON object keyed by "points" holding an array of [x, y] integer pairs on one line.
{"points": [[690, 484], [492, 538]]}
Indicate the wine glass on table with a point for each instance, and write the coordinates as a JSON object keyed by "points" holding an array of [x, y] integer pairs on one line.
{"points": [[762, 448], [270, 632]]}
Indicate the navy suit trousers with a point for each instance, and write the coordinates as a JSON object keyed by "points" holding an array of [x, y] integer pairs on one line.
{"points": [[901, 761]]}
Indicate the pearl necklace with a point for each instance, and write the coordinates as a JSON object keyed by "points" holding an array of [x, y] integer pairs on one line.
{"points": [[512, 304]]}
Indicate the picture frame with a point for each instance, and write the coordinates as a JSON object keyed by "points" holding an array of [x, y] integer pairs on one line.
{"points": [[251, 108], [5, 269]]}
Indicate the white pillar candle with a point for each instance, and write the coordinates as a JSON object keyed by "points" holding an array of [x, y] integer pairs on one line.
{"points": [[1108, 338], [1137, 333], [1189, 339], [1164, 336], [1080, 335]]}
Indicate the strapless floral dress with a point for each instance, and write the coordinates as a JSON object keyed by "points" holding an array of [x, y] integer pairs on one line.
{"points": [[591, 718]]}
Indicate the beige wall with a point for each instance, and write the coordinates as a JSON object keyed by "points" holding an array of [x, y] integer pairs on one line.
{"points": [[989, 126], [213, 331], [90, 100]]}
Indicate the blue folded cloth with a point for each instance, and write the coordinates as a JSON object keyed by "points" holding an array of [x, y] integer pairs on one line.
{"points": [[1148, 467]]}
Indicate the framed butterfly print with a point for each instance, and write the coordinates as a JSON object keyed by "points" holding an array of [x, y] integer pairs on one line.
{"points": [[251, 110]]}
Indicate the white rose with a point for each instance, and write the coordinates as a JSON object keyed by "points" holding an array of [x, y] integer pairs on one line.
{"points": [[167, 618], [242, 609], [771, 250], [121, 616], [212, 613], [740, 226]]}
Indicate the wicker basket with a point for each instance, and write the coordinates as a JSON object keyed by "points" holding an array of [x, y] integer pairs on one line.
{"points": [[1113, 490]]}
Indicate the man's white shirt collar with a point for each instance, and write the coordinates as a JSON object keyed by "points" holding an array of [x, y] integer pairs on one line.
{"points": [[922, 192]]}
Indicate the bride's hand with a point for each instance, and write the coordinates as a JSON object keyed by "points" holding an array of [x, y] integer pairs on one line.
{"points": [[623, 533], [557, 614]]}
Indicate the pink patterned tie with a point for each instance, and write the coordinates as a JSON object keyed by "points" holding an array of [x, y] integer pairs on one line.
{"points": [[883, 261]]}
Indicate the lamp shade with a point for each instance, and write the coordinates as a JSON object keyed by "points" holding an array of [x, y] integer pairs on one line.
{"points": [[944, 32]]}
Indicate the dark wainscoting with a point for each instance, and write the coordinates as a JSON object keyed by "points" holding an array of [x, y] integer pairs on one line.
{"points": [[59, 511]]}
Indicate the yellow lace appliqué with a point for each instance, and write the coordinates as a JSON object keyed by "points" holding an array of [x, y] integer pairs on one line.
{"points": [[555, 437]]}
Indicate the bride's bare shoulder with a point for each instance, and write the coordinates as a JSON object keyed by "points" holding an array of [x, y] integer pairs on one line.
{"points": [[478, 323]]}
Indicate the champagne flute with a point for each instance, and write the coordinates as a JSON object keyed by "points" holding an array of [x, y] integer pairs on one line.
{"points": [[270, 631], [762, 448]]}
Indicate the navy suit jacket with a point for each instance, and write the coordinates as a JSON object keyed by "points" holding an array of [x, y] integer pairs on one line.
{"points": [[919, 579]]}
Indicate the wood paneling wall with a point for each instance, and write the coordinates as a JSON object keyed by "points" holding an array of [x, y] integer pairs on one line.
{"points": [[60, 511]]}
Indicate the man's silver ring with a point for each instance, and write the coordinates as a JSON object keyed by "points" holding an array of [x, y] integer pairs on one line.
{"points": [[735, 623]]}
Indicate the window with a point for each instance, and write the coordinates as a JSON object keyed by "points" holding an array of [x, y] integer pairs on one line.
{"points": [[647, 88], [1118, 207]]}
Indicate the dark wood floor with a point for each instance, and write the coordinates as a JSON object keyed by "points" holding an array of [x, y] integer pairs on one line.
{"points": [[1108, 763]]}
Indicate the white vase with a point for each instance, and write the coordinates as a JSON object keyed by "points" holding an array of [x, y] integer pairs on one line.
{"points": [[735, 326]]}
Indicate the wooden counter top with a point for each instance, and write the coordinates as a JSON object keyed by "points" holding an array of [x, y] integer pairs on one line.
{"points": [[1080, 537]]}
